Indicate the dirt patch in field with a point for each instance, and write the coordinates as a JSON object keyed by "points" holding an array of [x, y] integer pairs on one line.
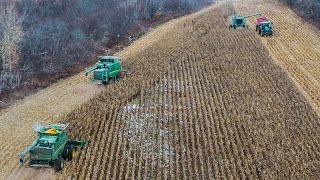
{"points": [[32, 173]]}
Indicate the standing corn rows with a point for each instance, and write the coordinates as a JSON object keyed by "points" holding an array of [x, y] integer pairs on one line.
{"points": [[295, 46], [215, 106]]}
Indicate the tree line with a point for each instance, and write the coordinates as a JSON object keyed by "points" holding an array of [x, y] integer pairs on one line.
{"points": [[308, 8], [46, 36]]}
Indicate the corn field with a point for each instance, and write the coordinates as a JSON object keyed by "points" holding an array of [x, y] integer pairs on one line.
{"points": [[201, 102], [224, 109], [295, 47]]}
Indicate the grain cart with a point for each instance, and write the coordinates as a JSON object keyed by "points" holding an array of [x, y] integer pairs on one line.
{"points": [[265, 28], [240, 21], [259, 20], [51, 148], [108, 67]]}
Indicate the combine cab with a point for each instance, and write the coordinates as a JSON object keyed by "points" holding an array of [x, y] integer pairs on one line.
{"points": [[51, 148], [107, 68]]}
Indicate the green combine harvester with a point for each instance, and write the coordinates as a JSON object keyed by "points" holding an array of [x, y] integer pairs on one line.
{"points": [[240, 21], [106, 69], [51, 148]]}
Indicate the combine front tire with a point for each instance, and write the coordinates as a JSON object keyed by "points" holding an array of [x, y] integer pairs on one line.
{"points": [[72, 152], [65, 152], [59, 164]]}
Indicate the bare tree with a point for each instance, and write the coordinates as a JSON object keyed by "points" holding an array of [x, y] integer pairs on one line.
{"points": [[10, 35]]}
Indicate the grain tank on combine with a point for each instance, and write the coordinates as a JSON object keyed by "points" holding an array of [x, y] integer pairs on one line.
{"points": [[51, 148], [107, 68]]}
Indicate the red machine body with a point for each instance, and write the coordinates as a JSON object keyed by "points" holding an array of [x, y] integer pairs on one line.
{"points": [[259, 20]]}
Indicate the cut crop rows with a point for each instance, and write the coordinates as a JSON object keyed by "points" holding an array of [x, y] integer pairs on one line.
{"points": [[202, 103], [295, 46]]}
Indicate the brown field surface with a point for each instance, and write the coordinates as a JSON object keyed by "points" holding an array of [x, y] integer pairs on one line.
{"points": [[48, 105], [202, 102], [224, 109], [295, 46]]}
